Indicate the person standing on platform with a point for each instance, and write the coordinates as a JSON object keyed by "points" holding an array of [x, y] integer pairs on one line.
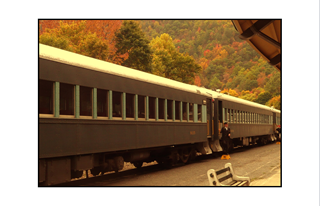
{"points": [[225, 131]]}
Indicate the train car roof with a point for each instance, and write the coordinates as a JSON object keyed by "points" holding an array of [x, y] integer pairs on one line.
{"points": [[241, 101], [70, 58]]}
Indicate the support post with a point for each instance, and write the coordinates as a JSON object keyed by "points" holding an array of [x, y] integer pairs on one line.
{"points": [[94, 103], [57, 99], [77, 102]]}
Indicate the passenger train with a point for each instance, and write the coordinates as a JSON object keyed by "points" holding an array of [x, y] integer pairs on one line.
{"points": [[95, 115]]}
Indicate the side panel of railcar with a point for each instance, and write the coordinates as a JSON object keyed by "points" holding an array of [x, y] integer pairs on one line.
{"points": [[58, 137]]}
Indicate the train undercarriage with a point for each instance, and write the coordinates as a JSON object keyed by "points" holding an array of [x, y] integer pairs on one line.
{"points": [[54, 171]]}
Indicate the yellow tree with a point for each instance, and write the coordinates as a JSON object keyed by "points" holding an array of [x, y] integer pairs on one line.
{"points": [[74, 37], [275, 102]]}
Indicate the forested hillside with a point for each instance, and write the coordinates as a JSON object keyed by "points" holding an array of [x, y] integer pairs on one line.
{"points": [[227, 62], [206, 53]]}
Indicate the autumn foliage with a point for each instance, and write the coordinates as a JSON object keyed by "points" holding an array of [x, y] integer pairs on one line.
{"points": [[104, 30]]}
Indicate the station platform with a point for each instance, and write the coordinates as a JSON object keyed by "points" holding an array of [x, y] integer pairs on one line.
{"points": [[274, 180]]}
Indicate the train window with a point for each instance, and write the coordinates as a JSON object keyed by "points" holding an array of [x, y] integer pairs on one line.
{"points": [[243, 117], [66, 99], [270, 119], [141, 106], [238, 116], [161, 108], [152, 107], [252, 118], [116, 104], [184, 111], [85, 101], [102, 103], [130, 105], [227, 115], [260, 119], [169, 109], [246, 117], [235, 116], [199, 113], [191, 105], [177, 110], [45, 97]]}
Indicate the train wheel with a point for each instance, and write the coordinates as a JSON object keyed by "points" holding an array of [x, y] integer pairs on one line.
{"points": [[96, 171], [184, 155], [119, 163], [168, 163], [76, 174], [138, 164], [265, 141], [262, 141]]}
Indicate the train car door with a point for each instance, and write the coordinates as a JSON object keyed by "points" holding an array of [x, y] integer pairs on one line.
{"points": [[274, 122], [217, 118], [209, 117]]}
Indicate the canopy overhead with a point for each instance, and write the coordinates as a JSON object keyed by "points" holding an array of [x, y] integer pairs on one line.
{"points": [[264, 36]]}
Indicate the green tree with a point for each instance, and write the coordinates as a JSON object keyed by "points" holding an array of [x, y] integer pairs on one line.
{"points": [[263, 97], [168, 62], [215, 84], [131, 40], [273, 85]]}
